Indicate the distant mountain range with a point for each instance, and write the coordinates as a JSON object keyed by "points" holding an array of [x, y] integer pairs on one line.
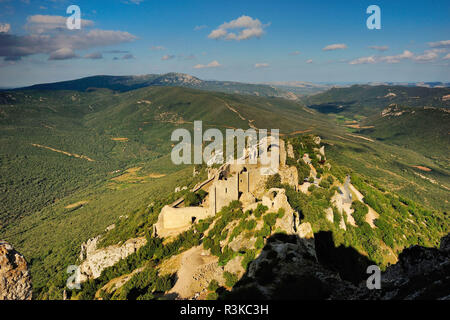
{"points": [[128, 83]]}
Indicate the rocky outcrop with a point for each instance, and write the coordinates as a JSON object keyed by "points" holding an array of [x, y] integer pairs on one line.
{"points": [[420, 273], [286, 269], [94, 260], [15, 280], [290, 267]]}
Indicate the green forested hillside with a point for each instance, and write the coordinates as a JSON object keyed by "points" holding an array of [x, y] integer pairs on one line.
{"points": [[366, 100], [73, 162], [127, 83]]}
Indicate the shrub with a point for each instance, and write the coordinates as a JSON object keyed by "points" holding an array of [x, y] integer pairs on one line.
{"points": [[230, 279], [264, 232], [250, 225], [324, 184], [270, 219], [191, 199], [213, 285], [360, 212], [273, 181], [260, 209], [249, 256], [259, 244], [212, 296]]}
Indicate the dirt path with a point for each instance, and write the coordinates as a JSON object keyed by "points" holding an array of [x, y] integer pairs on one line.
{"points": [[195, 272], [63, 152], [371, 216], [250, 122], [360, 137]]}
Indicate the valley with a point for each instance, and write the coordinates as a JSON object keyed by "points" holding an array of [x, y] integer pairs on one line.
{"points": [[78, 157]]}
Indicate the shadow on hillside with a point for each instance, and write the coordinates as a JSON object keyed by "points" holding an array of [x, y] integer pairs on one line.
{"points": [[346, 261], [293, 268]]}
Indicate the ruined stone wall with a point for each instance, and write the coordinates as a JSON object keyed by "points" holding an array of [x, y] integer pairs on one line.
{"points": [[173, 218], [223, 192]]}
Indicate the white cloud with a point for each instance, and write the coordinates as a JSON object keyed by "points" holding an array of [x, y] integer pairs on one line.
{"points": [[335, 46], [396, 59], [295, 53], [261, 65], [447, 57], [5, 27], [379, 48], [309, 61], [167, 57], [428, 55], [387, 59], [62, 54], [14, 47], [246, 27], [440, 44], [212, 64], [363, 60], [44, 23]]}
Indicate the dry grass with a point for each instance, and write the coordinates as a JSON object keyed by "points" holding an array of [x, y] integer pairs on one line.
{"points": [[76, 204], [131, 175], [422, 168]]}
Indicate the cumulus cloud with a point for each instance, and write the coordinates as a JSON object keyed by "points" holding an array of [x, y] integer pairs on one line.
{"points": [[167, 57], [44, 23], [59, 43], [94, 56], [261, 65], [128, 56], [309, 61], [428, 55], [242, 28], [212, 64], [447, 57], [440, 44], [397, 58], [379, 48], [295, 53], [5, 27], [387, 59], [335, 46], [363, 60], [63, 54]]}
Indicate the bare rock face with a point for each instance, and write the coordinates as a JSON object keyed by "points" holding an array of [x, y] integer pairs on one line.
{"points": [[15, 280], [96, 260]]}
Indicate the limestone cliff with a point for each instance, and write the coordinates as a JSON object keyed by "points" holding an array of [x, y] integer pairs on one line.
{"points": [[15, 280], [95, 260]]}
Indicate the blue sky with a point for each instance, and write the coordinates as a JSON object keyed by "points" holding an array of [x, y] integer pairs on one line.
{"points": [[251, 41]]}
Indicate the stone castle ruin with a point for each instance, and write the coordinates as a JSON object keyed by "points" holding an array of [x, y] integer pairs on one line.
{"points": [[232, 181]]}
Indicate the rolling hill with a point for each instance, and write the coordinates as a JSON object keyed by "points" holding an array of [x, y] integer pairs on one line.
{"points": [[76, 157]]}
